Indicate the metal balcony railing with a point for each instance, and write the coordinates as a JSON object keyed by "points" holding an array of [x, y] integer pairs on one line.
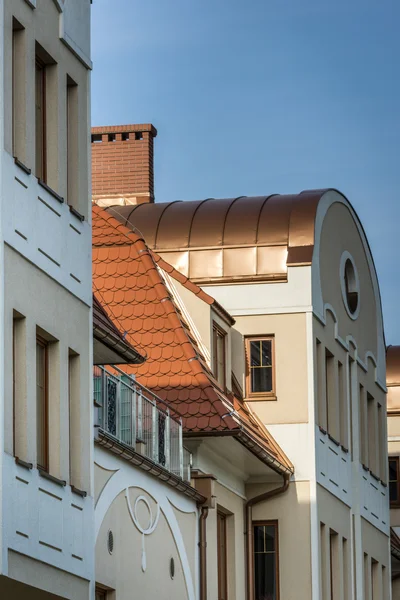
{"points": [[135, 416]]}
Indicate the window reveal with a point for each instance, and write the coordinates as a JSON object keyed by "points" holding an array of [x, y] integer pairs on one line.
{"points": [[266, 561], [219, 355], [42, 436]]}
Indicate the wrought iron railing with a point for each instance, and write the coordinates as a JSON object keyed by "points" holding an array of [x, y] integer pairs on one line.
{"points": [[135, 416]]}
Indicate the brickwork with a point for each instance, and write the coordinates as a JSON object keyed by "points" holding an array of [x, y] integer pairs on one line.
{"points": [[123, 164]]}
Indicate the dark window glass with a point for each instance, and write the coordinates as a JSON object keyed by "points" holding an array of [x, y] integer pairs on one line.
{"points": [[394, 480], [351, 286], [266, 561], [261, 366]]}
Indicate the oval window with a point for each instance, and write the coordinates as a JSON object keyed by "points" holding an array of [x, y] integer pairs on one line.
{"points": [[350, 286]]}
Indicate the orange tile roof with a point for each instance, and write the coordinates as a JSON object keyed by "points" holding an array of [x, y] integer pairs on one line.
{"points": [[132, 289]]}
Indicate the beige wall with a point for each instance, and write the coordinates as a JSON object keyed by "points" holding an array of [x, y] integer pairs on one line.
{"points": [[339, 233], [122, 569], [292, 511], [42, 25], [66, 320], [291, 405]]}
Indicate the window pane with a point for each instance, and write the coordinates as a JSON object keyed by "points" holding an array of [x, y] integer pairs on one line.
{"points": [[393, 494], [392, 470], [255, 360], [266, 353], [261, 379], [270, 538], [221, 359], [265, 577], [259, 538]]}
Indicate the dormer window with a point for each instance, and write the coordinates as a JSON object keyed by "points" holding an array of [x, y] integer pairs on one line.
{"points": [[219, 355], [260, 376]]}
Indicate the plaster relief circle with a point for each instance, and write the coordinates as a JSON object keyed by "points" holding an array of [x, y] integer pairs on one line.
{"points": [[150, 513], [350, 285]]}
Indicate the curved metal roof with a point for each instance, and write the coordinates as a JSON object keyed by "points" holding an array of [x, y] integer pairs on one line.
{"points": [[204, 239]]}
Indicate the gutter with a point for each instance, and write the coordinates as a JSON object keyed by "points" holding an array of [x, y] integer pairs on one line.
{"points": [[249, 530]]}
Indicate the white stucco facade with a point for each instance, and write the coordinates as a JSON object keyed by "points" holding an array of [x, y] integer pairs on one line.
{"points": [[47, 518]]}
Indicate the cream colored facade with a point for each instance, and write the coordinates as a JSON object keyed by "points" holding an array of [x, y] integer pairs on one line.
{"points": [[47, 513], [328, 415]]}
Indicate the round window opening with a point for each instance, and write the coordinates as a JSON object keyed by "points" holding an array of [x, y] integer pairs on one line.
{"points": [[351, 288]]}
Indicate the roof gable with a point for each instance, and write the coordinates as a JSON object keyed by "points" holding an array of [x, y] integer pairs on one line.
{"points": [[132, 289]]}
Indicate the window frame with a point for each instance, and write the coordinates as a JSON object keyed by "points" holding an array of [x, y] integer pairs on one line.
{"points": [[100, 592], [259, 396], [272, 523], [218, 331], [40, 66], [222, 560], [394, 503], [44, 344]]}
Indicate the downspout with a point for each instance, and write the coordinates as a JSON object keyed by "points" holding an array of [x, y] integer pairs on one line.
{"points": [[203, 552], [249, 530]]}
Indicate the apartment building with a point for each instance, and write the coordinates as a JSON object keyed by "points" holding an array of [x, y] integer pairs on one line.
{"points": [[135, 287], [393, 414], [297, 340], [46, 491]]}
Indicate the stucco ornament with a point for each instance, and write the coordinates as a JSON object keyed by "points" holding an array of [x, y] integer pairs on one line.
{"points": [[152, 524]]}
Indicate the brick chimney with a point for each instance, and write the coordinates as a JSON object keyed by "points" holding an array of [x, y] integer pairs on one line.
{"points": [[123, 164]]}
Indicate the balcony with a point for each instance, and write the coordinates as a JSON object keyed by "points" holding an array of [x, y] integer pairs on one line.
{"points": [[137, 418]]}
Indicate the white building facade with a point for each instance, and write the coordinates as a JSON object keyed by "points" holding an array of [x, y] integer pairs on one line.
{"points": [[46, 489]]}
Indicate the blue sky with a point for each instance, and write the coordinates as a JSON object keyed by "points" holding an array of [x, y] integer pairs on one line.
{"points": [[260, 97]]}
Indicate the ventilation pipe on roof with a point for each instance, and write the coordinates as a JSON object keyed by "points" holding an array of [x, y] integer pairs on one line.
{"points": [[249, 530]]}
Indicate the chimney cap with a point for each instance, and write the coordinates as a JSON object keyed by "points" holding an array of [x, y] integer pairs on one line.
{"points": [[104, 129]]}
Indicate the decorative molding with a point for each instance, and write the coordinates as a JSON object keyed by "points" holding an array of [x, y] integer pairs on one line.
{"points": [[128, 476], [152, 522]]}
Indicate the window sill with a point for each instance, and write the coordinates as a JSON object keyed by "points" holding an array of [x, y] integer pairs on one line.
{"points": [[47, 475], [261, 399], [22, 463], [21, 165], [51, 191], [78, 492], [76, 213], [333, 440]]}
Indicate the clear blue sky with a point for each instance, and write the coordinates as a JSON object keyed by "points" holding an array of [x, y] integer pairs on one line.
{"points": [[263, 96]]}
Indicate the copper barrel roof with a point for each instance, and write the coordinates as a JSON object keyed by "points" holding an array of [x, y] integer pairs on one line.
{"points": [[393, 366], [204, 239]]}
